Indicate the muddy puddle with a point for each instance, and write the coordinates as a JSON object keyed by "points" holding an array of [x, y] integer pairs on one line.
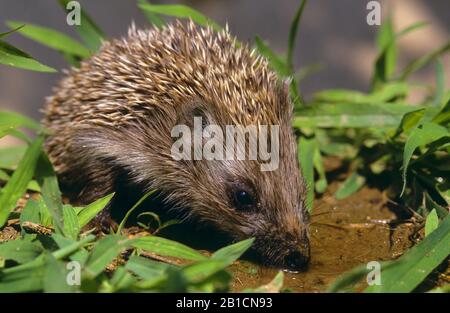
{"points": [[344, 234]]}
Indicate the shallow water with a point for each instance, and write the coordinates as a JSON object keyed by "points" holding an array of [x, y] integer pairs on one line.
{"points": [[344, 234]]}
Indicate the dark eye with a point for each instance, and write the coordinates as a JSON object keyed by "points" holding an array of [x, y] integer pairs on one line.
{"points": [[243, 200]]}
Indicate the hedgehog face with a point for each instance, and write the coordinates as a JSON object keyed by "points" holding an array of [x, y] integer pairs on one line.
{"points": [[244, 201]]}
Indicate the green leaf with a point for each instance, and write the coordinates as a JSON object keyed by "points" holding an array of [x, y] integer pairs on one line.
{"points": [[293, 35], [153, 18], [440, 84], [431, 223], [417, 263], [233, 252], [180, 11], [277, 63], [91, 34], [13, 119], [347, 280], [51, 38], [352, 115], [146, 268], [124, 220], [200, 271], [410, 120], [104, 252], [90, 211], [51, 194], [30, 212], [321, 184], [17, 185], [71, 225], [6, 34], [11, 156], [11, 56], [22, 280], [420, 136], [166, 247], [351, 185], [306, 148], [423, 61], [387, 59], [20, 250], [55, 275], [385, 93]]}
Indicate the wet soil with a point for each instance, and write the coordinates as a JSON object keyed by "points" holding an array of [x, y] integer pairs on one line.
{"points": [[344, 234]]}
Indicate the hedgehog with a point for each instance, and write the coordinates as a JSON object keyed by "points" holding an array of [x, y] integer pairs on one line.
{"points": [[111, 118]]}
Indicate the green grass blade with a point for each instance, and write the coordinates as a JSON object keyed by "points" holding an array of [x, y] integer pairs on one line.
{"points": [[11, 156], [90, 211], [6, 34], [17, 185], [440, 84], [306, 148], [387, 59], [431, 223], [277, 63], [167, 247], [424, 60], [88, 30], [293, 35], [104, 252], [71, 225], [352, 115], [13, 119], [124, 220], [11, 56], [351, 185], [55, 273], [152, 17], [420, 136], [231, 253], [415, 265], [51, 38], [180, 11], [51, 194], [20, 250]]}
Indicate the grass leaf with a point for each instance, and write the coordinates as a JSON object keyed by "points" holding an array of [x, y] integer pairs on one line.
{"points": [[277, 63], [51, 194], [17, 185], [432, 222], [180, 11], [417, 263], [293, 35], [152, 17], [306, 148], [231, 253], [91, 34], [166, 247], [351, 185], [420, 136], [11, 56], [71, 225], [90, 211], [51, 38], [424, 60]]}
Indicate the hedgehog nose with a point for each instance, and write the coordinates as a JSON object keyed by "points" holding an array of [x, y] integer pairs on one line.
{"points": [[296, 261]]}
